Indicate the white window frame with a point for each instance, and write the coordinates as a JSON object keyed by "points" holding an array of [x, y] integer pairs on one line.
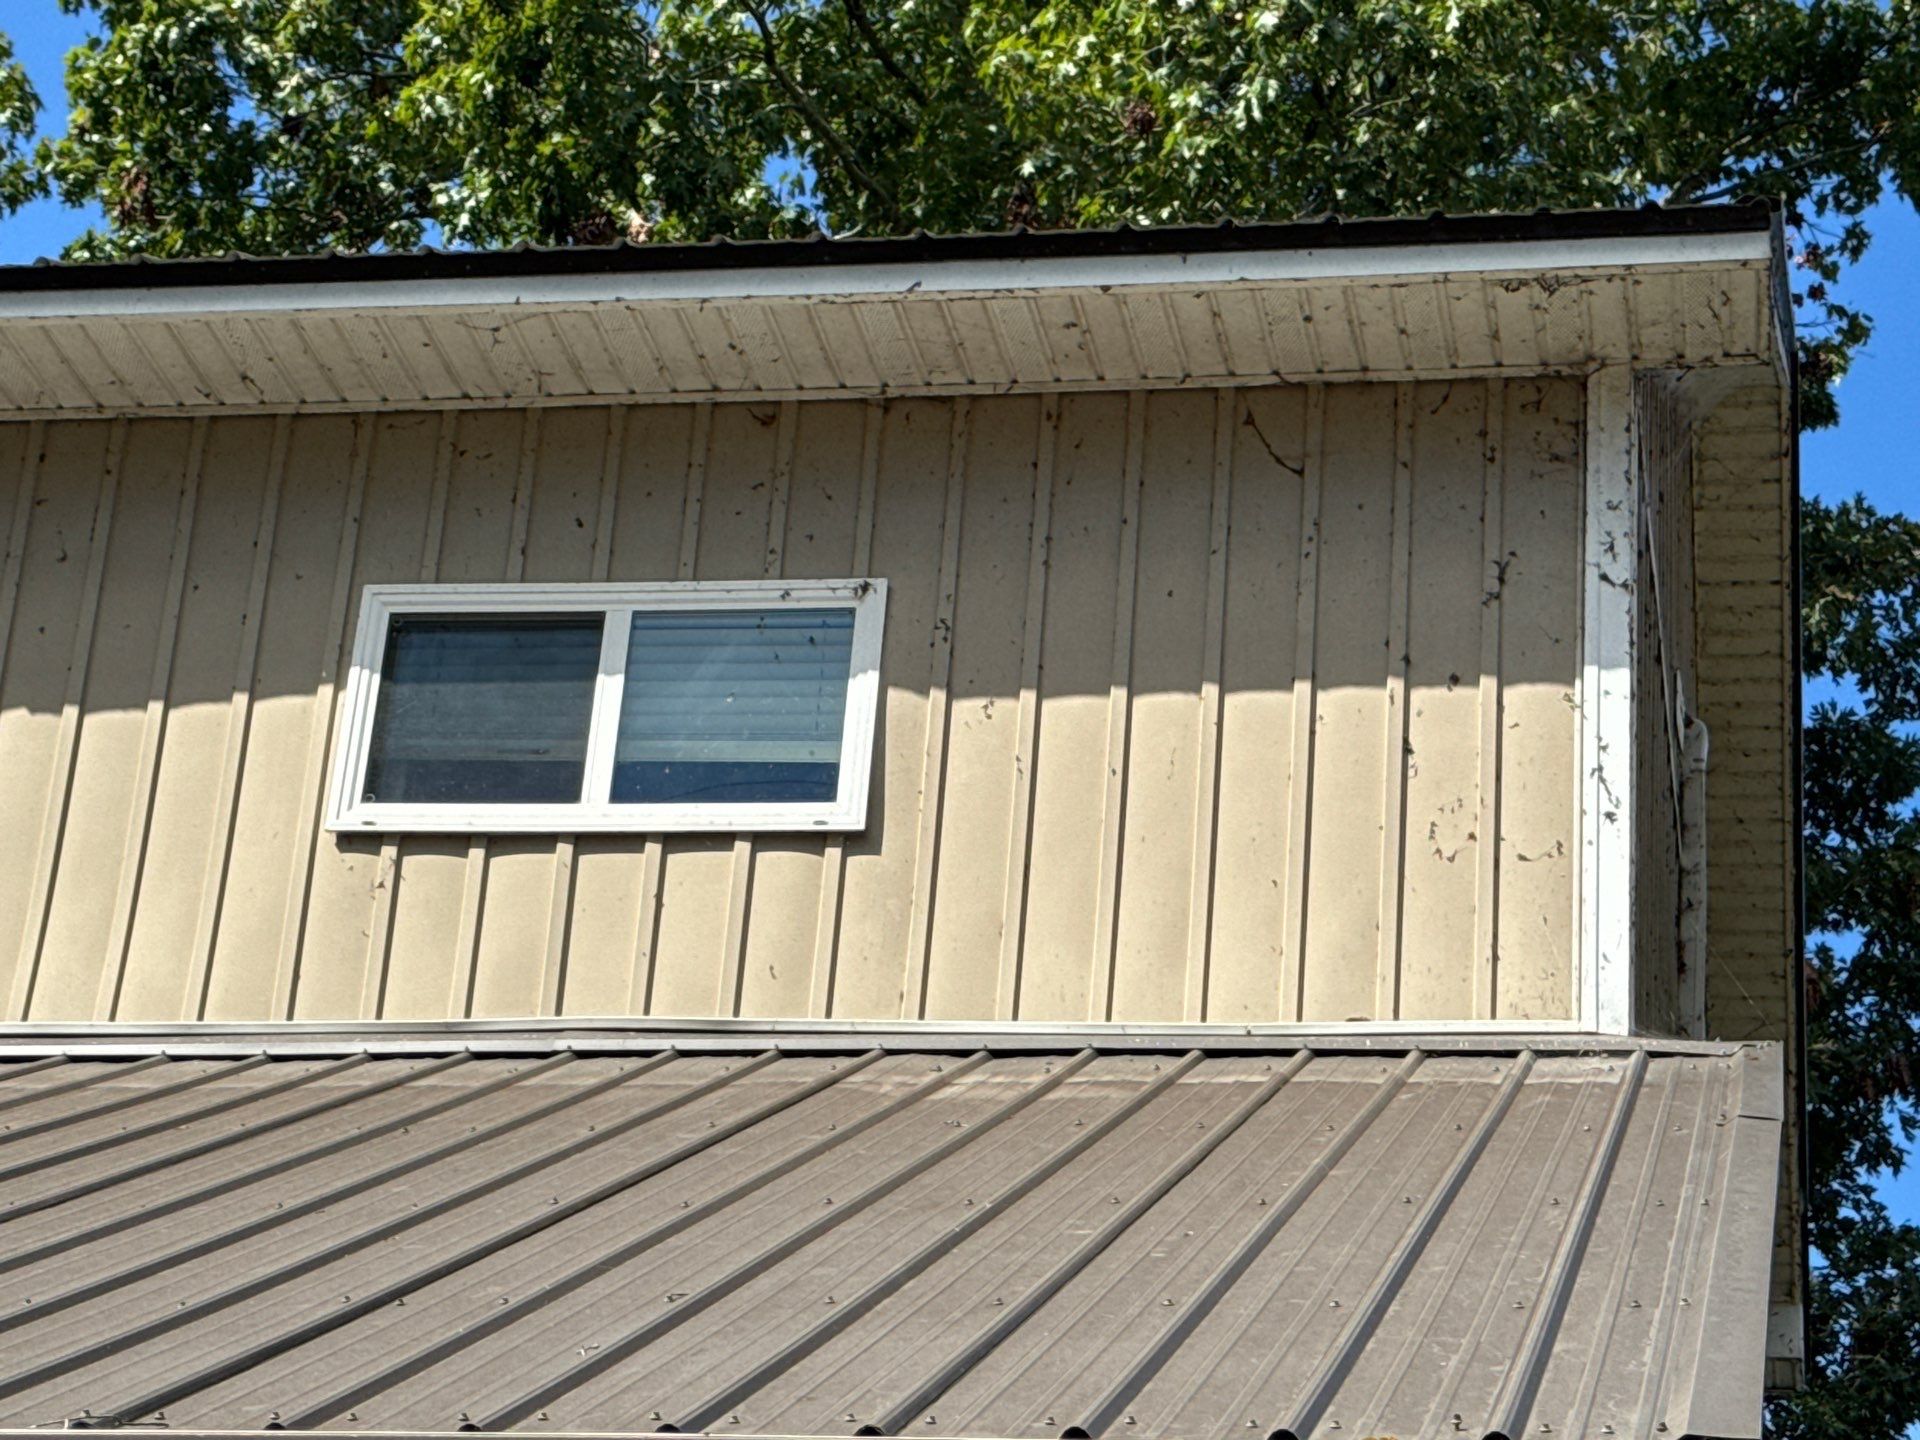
{"points": [[847, 811]]}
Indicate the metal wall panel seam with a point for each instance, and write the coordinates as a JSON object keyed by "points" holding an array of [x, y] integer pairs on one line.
{"points": [[1106, 913], [1026, 743], [1609, 1309], [1508, 1413], [1683, 1270], [66, 744], [704, 1412], [611, 1352], [419, 1360], [386, 887], [473, 889], [115, 1072], [566, 847], [1338, 1362], [1206, 802], [1043, 1288], [933, 768], [32, 459], [1134, 1376], [1293, 941], [379, 1298], [126, 898], [1734, 1299], [154, 1264], [213, 888], [259, 1284], [1115, 1290], [274, 1169], [546, 1219], [1524, 1159], [1393, 768], [306, 847], [1493, 571], [826, 930], [653, 862], [93, 1148], [1402, 1155], [124, 1102], [32, 1067], [733, 945]]}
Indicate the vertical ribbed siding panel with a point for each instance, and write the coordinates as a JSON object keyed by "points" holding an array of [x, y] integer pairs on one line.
{"points": [[277, 790], [1538, 655], [344, 946], [696, 970], [1062, 833], [1269, 588], [1448, 808], [991, 610], [1158, 830]]}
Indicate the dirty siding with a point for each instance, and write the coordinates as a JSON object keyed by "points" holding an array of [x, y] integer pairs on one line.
{"points": [[1665, 681], [1246, 705]]}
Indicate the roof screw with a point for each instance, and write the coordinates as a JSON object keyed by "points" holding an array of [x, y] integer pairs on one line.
{"points": [[464, 1417], [733, 1419], [930, 1419], [969, 1199], [1685, 1301], [1545, 1428], [1167, 1301], [1633, 1304], [1554, 1201], [1406, 1199], [1661, 1427], [998, 1301], [541, 1416], [1519, 1304], [1052, 1421], [1132, 1421], [353, 1414], [1333, 1304], [830, 1300], [655, 1415], [851, 1416]]}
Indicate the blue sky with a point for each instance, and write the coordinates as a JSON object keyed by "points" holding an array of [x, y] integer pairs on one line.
{"points": [[1872, 451]]}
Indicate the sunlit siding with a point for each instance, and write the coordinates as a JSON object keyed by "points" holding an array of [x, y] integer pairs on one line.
{"points": [[1245, 705]]}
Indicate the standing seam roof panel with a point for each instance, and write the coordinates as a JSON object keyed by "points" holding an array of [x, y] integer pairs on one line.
{"points": [[1096, 1244]]}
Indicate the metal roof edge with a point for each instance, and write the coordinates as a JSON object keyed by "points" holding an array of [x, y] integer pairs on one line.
{"points": [[523, 1038], [920, 248]]}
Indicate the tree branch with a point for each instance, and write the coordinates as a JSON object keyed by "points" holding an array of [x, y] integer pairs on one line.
{"points": [[857, 13], [802, 102]]}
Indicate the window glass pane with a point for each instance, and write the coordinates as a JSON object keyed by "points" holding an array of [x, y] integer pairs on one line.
{"points": [[484, 709], [733, 706]]}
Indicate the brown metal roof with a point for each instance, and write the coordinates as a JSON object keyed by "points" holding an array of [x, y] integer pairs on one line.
{"points": [[978, 1244]]}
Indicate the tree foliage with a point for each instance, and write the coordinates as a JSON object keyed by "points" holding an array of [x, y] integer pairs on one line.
{"points": [[279, 126], [1861, 643]]}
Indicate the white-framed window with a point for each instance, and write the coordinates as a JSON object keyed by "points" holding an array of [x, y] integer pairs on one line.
{"points": [[683, 706]]}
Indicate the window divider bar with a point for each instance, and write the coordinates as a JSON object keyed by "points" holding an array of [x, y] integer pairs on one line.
{"points": [[603, 729]]}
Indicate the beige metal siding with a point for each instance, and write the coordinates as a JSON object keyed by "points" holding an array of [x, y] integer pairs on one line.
{"points": [[1743, 519], [1244, 705]]}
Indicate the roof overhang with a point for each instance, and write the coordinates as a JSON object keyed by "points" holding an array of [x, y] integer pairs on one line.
{"points": [[1224, 305]]}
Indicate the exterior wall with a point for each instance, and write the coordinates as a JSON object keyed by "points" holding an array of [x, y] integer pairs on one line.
{"points": [[1664, 685], [1241, 706], [1747, 627]]}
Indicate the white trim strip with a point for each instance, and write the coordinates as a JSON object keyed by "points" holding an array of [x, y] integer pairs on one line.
{"points": [[900, 279]]}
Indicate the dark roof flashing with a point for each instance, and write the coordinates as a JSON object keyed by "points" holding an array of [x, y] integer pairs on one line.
{"points": [[919, 248]]}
